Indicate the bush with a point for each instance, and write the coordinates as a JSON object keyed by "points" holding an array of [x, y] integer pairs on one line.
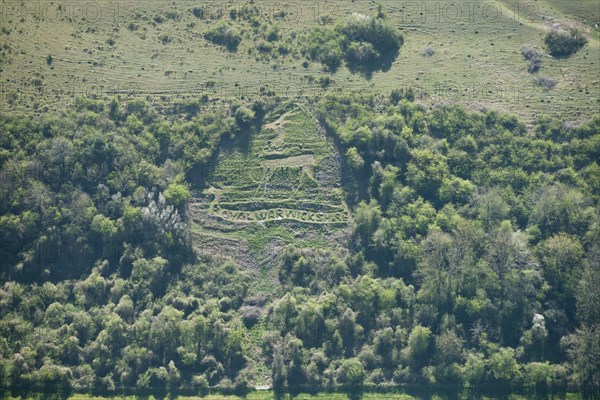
{"points": [[545, 83], [504, 366], [562, 43], [361, 53], [326, 46], [244, 116], [429, 51], [354, 158], [350, 372], [198, 12], [165, 39], [224, 35], [177, 194], [366, 44], [534, 55], [538, 375]]}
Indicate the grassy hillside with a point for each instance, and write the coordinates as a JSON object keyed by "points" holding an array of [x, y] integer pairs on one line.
{"points": [[160, 51]]}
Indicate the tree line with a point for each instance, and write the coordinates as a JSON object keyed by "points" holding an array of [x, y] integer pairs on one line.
{"points": [[472, 258]]}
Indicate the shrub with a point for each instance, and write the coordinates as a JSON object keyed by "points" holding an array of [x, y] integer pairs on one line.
{"points": [[244, 116], [429, 51], [545, 82], [198, 12], [326, 46], [350, 372], [264, 47], [361, 53], [562, 43], [273, 34], [360, 28], [165, 39], [503, 365], [366, 44], [224, 35], [177, 194], [354, 158], [534, 65], [534, 55]]}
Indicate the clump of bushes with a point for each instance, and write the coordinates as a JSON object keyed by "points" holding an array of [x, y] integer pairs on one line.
{"points": [[564, 43], [545, 82], [366, 44], [224, 35], [534, 55]]}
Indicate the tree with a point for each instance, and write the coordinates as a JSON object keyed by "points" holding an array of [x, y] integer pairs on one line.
{"points": [[560, 208], [583, 347], [426, 172], [350, 373], [473, 371], [491, 208], [418, 350], [177, 194], [354, 159], [155, 381], [448, 348], [437, 270], [368, 217], [150, 274], [310, 325], [224, 35], [165, 333], [517, 272], [104, 227], [504, 366], [347, 328], [384, 346], [562, 257], [244, 116], [538, 375], [587, 294], [278, 370]]}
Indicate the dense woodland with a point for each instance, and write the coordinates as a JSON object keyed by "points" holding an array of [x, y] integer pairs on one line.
{"points": [[473, 258]]}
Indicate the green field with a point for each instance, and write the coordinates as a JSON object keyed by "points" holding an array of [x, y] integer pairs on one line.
{"points": [[157, 51]]}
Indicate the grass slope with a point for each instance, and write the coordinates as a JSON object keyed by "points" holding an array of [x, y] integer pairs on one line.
{"points": [[157, 50]]}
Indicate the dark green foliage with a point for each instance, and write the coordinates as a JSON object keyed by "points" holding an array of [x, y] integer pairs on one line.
{"points": [[367, 44], [472, 257], [224, 35], [564, 43]]}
